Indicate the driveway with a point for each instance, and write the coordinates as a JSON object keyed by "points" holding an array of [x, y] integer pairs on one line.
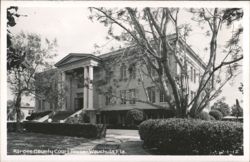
{"points": [[117, 141], [123, 133]]}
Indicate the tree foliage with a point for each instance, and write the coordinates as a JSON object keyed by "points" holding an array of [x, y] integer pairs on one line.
{"points": [[153, 38], [221, 106], [14, 59], [237, 110], [21, 79]]}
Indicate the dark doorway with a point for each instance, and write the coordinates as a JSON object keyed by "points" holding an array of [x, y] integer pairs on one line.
{"points": [[78, 103]]}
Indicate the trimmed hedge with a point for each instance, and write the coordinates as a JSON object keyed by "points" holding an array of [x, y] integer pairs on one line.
{"points": [[216, 114], [134, 116], [79, 130], [12, 126], [177, 136]]}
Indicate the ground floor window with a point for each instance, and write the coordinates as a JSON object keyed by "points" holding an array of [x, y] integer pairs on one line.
{"points": [[107, 99], [151, 94], [123, 96], [132, 96], [163, 97]]}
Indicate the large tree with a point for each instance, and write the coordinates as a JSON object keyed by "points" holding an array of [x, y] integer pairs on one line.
{"points": [[145, 31], [37, 52], [14, 59]]}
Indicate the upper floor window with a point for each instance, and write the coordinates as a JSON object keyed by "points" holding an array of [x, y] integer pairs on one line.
{"points": [[194, 75], [192, 95], [123, 71], [80, 81], [151, 71], [191, 73], [151, 94], [132, 71]]}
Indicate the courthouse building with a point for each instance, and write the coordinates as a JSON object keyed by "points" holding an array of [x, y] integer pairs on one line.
{"points": [[86, 83]]}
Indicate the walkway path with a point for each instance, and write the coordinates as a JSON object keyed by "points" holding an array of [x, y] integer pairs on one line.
{"points": [[125, 142]]}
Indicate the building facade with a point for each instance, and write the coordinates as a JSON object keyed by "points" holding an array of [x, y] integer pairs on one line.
{"points": [[85, 82]]}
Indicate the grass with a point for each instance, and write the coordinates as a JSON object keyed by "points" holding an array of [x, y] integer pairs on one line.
{"points": [[25, 142]]}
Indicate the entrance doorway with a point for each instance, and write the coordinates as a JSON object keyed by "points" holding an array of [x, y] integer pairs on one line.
{"points": [[79, 101]]}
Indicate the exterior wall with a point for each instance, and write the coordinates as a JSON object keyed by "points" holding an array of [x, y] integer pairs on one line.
{"points": [[127, 84], [72, 91]]}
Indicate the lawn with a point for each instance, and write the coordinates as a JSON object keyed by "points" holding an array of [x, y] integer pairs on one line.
{"points": [[36, 143], [126, 141]]}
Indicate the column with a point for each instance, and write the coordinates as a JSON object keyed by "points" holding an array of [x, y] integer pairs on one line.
{"points": [[61, 95], [85, 88], [90, 94]]}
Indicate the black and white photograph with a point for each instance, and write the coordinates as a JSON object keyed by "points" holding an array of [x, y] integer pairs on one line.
{"points": [[146, 79]]}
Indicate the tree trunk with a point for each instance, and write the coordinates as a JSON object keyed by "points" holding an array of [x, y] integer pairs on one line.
{"points": [[18, 112]]}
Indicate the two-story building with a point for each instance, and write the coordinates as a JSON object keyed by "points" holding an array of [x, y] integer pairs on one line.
{"points": [[86, 80]]}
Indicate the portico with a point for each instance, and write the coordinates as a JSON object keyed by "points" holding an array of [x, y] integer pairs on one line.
{"points": [[73, 90]]}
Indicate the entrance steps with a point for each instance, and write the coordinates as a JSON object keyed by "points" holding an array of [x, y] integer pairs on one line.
{"points": [[72, 115]]}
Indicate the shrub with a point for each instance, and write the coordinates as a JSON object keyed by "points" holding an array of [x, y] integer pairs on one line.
{"points": [[192, 136], [85, 118], [221, 106], [211, 117], [38, 115], [134, 116], [204, 116], [12, 126], [79, 130], [216, 114]]}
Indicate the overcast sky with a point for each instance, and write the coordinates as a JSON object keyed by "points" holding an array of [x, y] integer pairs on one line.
{"points": [[76, 33]]}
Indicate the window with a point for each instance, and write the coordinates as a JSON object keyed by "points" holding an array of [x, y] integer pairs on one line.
{"points": [[194, 75], [151, 71], [43, 105], [123, 96], [151, 94], [80, 80], [191, 77], [132, 71], [123, 71], [107, 99], [132, 96], [163, 97], [192, 95], [39, 105], [178, 69]]}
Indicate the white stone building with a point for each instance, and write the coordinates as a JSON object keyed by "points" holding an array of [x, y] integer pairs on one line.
{"points": [[85, 81]]}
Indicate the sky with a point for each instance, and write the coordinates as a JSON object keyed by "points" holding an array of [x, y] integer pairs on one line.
{"points": [[75, 33]]}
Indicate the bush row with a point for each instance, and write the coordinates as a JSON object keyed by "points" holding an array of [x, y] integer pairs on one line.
{"points": [[12, 126], [79, 130], [192, 136]]}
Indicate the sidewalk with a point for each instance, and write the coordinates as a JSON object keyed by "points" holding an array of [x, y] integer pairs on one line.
{"points": [[128, 142]]}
